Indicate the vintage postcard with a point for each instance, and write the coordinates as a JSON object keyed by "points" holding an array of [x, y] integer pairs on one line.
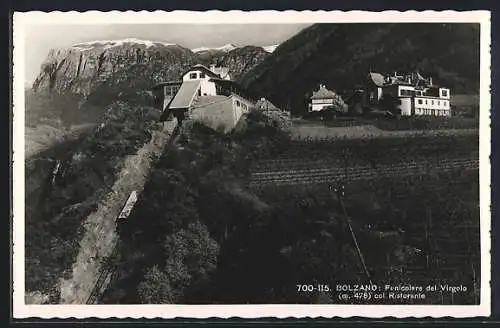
{"points": [[251, 164]]}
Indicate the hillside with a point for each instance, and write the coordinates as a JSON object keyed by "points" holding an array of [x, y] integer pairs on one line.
{"points": [[242, 60], [200, 228], [239, 60], [340, 55]]}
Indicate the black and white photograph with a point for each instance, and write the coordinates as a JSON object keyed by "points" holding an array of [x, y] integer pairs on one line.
{"points": [[251, 164]]}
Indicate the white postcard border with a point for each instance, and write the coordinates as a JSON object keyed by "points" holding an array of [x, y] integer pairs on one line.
{"points": [[21, 310]]}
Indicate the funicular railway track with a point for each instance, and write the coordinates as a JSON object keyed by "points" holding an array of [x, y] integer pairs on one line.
{"points": [[107, 269]]}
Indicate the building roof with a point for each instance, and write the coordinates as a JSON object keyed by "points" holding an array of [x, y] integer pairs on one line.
{"points": [[202, 68], [162, 84], [323, 93], [184, 97], [377, 78], [263, 103]]}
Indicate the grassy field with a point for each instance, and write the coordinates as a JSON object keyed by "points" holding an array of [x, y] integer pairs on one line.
{"points": [[423, 123], [365, 126]]}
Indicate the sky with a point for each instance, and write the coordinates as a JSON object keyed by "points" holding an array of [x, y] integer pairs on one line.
{"points": [[39, 39]]}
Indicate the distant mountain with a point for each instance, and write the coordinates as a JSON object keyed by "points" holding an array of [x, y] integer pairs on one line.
{"points": [[341, 55], [225, 48], [229, 47], [271, 49], [102, 71], [241, 60], [106, 44]]}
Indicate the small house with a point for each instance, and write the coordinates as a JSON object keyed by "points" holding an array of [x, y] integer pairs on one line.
{"points": [[321, 99], [207, 95]]}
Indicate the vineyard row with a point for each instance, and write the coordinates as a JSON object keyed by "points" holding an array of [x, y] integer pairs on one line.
{"points": [[323, 175]]}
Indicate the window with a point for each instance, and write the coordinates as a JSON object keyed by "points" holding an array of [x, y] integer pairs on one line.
{"points": [[444, 93], [433, 102], [193, 76], [202, 75], [439, 102], [406, 92], [420, 101], [238, 103], [426, 101]]}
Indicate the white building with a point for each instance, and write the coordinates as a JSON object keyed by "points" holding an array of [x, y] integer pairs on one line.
{"points": [[418, 96], [321, 99], [205, 95], [206, 77]]}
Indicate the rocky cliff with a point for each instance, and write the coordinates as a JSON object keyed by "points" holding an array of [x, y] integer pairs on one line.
{"points": [[110, 68], [102, 71]]}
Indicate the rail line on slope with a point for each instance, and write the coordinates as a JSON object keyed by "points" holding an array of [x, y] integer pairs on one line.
{"points": [[107, 272]]}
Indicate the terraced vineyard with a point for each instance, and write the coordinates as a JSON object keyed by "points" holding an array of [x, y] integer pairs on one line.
{"points": [[413, 204], [350, 160], [307, 172]]}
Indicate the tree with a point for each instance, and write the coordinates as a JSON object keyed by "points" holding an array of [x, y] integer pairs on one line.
{"points": [[337, 107], [190, 257], [391, 104], [195, 249], [156, 288]]}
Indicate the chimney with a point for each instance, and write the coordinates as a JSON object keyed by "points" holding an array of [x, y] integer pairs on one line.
{"points": [[430, 80]]}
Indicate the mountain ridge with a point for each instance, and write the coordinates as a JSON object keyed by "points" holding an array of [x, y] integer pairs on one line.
{"points": [[104, 70]]}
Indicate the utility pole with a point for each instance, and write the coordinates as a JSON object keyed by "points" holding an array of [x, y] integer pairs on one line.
{"points": [[340, 192]]}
